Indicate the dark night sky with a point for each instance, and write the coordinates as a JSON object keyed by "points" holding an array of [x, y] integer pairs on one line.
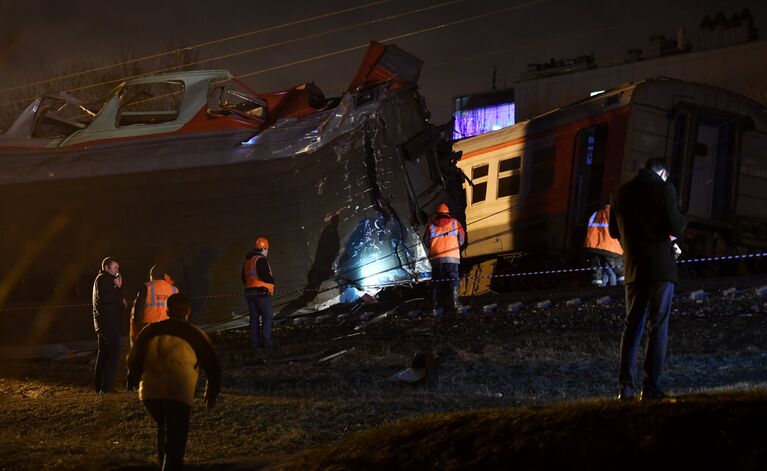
{"points": [[53, 35]]}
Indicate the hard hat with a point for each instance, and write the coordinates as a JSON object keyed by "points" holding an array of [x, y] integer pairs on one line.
{"points": [[443, 209], [262, 243]]}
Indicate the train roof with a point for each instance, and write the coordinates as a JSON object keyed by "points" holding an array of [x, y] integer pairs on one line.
{"points": [[60, 120]]}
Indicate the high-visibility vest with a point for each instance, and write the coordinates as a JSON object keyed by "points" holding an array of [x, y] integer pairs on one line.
{"points": [[156, 302], [444, 241], [251, 275], [598, 233]]}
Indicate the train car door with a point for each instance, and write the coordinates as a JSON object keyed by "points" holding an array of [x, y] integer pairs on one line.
{"points": [[590, 154], [705, 166]]}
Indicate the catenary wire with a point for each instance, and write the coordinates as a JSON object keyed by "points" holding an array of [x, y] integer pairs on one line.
{"points": [[198, 45], [320, 56], [392, 38], [250, 50]]}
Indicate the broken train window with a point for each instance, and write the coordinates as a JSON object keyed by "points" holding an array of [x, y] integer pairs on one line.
{"points": [[57, 117], [224, 101], [150, 103]]}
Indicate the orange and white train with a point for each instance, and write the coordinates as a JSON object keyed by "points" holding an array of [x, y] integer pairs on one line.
{"points": [[534, 185]]}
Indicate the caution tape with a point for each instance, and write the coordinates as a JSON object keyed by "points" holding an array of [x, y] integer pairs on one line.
{"points": [[389, 285]]}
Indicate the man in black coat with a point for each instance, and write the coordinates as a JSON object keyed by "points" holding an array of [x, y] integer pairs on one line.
{"points": [[107, 306], [644, 216]]}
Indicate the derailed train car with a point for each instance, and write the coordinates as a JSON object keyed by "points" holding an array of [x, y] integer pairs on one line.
{"points": [[532, 187], [187, 169]]}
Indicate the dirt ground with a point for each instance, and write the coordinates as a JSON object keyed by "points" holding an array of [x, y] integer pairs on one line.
{"points": [[283, 401]]}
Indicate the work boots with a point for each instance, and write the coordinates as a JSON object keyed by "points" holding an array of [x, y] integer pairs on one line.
{"points": [[435, 310], [455, 300]]}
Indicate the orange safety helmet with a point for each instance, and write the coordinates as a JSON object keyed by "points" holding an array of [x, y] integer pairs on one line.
{"points": [[262, 243], [443, 209]]}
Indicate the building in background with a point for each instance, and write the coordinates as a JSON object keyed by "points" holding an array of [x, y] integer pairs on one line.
{"points": [[724, 53], [483, 112]]}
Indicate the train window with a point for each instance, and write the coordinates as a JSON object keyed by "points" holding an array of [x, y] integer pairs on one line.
{"points": [[478, 192], [150, 103], [508, 177], [479, 183], [479, 172], [542, 168], [509, 164], [508, 186]]}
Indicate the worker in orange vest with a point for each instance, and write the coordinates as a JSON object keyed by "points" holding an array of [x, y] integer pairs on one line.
{"points": [[444, 237], [151, 303], [604, 253], [259, 289]]}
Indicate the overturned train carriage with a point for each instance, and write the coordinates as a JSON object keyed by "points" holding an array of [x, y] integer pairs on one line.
{"points": [[532, 187], [338, 186]]}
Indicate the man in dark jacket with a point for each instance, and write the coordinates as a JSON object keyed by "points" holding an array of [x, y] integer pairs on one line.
{"points": [[644, 215], [107, 306]]}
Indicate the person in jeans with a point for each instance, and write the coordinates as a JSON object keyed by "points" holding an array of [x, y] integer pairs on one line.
{"points": [[603, 252], [164, 363], [644, 214], [259, 289]]}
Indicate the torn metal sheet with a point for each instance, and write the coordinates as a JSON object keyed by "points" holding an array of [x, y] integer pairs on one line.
{"points": [[328, 182]]}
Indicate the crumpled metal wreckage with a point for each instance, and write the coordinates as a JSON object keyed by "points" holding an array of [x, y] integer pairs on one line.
{"points": [[341, 188]]}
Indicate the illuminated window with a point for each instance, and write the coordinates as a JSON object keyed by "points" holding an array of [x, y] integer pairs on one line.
{"points": [[509, 177], [481, 120], [479, 179]]}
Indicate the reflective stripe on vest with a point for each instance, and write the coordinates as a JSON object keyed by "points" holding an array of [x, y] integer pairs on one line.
{"points": [[598, 233], [251, 275], [156, 302], [444, 241]]}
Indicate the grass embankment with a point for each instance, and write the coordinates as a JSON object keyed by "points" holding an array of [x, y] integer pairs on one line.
{"points": [[723, 431]]}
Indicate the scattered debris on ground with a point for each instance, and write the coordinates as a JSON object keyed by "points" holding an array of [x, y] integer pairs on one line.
{"points": [[281, 401]]}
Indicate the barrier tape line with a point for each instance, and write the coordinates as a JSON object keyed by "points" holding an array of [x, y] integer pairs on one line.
{"points": [[441, 280]]}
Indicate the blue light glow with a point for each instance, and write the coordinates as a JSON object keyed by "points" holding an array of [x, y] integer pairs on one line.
{"points": [[251, 141], [481, 120]]}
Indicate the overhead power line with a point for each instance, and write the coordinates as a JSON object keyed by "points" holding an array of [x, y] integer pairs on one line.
{"points": [[344, 50], [393, 38], [252, 50], [198, 45]]}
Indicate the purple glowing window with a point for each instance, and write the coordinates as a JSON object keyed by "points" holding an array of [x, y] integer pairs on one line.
{"points": [[481, 120]]}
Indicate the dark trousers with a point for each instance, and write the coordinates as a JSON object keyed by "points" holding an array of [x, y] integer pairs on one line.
{"points": [[645, 300], [260, 309], [445, 279], [107, 360], [607, 269], [172, 418]]}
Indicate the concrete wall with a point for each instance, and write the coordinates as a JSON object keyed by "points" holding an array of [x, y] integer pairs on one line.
{"points": [[741, 68]]}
